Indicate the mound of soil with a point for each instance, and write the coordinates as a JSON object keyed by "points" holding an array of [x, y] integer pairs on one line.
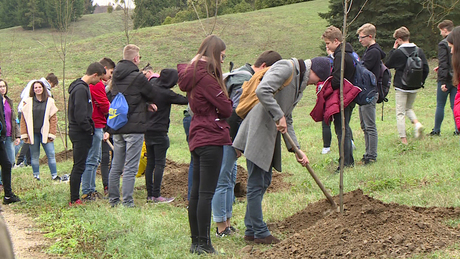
{"points": [[60, 157], [368, 228]]}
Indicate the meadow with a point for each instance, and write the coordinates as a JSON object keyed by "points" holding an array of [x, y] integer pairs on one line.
{"points": [[423, 173]]}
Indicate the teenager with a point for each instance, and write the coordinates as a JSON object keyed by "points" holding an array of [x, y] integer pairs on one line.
{"points": [[454, 43]]}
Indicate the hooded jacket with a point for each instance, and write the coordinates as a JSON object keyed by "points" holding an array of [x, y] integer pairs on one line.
{"points": [[138, 92], [158, 122], [349, 72], [80, 107], [209, 104], [372, 58]]}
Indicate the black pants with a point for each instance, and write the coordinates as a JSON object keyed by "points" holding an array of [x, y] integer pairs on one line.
{"points": [[348, 148], [81, 144], [207, 161], [24, 155], [6, 170], [157, 145], [106, 161]]}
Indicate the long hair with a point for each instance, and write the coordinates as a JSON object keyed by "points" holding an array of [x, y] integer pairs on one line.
{"points": [[44, 94], [211, 48], [454, 39]]}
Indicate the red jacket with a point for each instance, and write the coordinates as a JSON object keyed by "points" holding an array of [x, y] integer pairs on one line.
{"points": [[100, 104], [457, 107], [209, 104], [328, 100]]}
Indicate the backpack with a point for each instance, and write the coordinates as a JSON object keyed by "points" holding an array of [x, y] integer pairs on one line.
{"points": [[383, 83], [412, 76], [365, 80], [235, 94]]}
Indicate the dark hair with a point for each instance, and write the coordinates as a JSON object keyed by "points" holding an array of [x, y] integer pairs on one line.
{"points": [[107, 62], [269, 57], [52, 78], [446, 24], [44, 94], [95, 68], [6, 85], [454, 39]]}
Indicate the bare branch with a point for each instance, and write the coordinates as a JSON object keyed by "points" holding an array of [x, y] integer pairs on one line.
{"points": [[432, 6], [198, 16], [360, 11]]}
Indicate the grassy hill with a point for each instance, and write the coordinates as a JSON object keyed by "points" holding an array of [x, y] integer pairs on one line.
{"points": [[424, 173]]}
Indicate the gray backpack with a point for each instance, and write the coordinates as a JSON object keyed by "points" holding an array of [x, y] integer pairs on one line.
{"points": [[413, 71]]}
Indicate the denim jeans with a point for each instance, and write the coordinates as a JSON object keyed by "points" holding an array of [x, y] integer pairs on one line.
{"points": [[348, 149], [258, 182], [367, 119], [88, 179], [157, 146], [404, 102], [441, 99], [222, 202], [81, 144], [35, 155], [126, 155], [186, 123], [9, 145]]}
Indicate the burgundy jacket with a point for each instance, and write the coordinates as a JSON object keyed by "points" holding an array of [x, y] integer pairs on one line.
{"points": [[209, 104]]}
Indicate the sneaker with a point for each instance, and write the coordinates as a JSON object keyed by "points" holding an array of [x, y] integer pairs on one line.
{"points": [[418, 130], [456, 133], [435, 133], [129, 204], [37, 178], [65, 178], [162, 199], [150, 199], [325, 150], [232, 229], [96, 195], [75, 203], [11, 199], [57, 178], [88, 197], [267, 240], [226, 232]]}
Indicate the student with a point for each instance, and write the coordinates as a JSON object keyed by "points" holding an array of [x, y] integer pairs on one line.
{"points": [[333, 39], [81, 125], [209, 132], [371, 59], [127, 140], [100, 110], [222, 202], [453, 39], [156, 136], [404, 95], [444, 70]]}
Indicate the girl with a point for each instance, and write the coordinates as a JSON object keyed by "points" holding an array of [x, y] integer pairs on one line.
{"points": [[453, 39]]}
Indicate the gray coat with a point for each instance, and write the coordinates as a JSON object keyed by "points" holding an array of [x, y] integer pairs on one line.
{"points": [[257, 137]]}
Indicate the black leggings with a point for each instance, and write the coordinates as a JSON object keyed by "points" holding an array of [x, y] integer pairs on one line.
{"points": [[207, 161], [6, 170]]}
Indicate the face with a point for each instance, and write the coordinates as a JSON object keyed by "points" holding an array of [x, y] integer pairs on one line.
{"points": [[2, 88], [313, 79], [38, 89], [108, 74], [222, 56], [443, 32], [331, 45], [95, 78], [364, 39]]}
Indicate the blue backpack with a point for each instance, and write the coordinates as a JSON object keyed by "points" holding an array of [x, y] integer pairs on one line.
{"points": [[365, 80]]}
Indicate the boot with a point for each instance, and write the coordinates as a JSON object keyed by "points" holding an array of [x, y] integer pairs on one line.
{"points": [[205, 247], [194, 246]]}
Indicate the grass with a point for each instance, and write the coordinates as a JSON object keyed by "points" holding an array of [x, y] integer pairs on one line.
{"points": [[423, 173]]}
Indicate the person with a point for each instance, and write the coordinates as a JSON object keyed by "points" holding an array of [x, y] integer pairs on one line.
{"points": [[6, 245], [12, 130], [209, 132], [259, 134], [50, 82], [127, 140], [101, 106], [156, 136], [453, 39], [405, 96], [149, 73], [371, 59], [333, 39], [38, 126], [106, 147], [186, 124], [81, 125], [445, 86], [222, 201]]}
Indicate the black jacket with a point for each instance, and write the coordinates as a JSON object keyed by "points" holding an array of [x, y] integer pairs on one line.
{"points": [[372, 58], [397, 60], [444, 63], [80, 109], [158, 122], [137, 96], [349, 72]]}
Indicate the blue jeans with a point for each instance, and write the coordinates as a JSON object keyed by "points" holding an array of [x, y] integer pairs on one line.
{"points": [[35, 155], [186, 123], [441, 99], [9, 148], [88, 179], [258, 182], [222, 202]]}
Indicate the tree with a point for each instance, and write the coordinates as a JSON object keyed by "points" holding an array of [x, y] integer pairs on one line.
{"points": [[60, 12], [35, 15], [11, 12], [88, 7]]}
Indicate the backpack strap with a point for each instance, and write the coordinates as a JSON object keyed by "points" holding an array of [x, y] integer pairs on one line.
{"points": [[132, 82], [288, 81], [407, 53]]}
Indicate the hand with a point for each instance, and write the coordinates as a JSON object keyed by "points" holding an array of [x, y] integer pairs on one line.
{"points": [[50, 139], [303, 160], [152, 107], [444, 88], [281, 125], [396, 44], [238, 153], [106, 136], [435, 69], [17, 141]]}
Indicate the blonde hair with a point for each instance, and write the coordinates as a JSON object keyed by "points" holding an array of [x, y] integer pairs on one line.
{"points": [[402, 33], [130, 51], [368, 29], [332, 33]]}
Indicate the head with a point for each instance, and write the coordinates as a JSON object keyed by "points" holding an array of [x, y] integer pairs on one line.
{"points": [[266, 59], [94, 73], [52, 79], [402, 35], [332, 37], [109, 65], [320, 70], [39, 90], [148, 71], [131, 53], [445, 27], [453, 39], [366, 34], [3, 87]]}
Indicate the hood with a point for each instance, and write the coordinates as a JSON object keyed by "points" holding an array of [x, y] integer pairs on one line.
{"points": [[348, 48], [76, 83], [123, 69], [46, 83], [168, 78], [377, 46], [189, 77]]}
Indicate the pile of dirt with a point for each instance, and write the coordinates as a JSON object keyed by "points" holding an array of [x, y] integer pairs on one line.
{"points": [[60, 157], [368, 228]]}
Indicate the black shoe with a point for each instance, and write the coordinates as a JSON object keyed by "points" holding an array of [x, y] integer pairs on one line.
{"points": [[435, 133], [11, 199], [205, 247], [87, 197], [224, 233], [456, 133], [368, 161], [194, 246], [57, 178]]}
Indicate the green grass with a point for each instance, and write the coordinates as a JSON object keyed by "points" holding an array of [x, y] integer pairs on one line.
{"points": [[424, 173]]}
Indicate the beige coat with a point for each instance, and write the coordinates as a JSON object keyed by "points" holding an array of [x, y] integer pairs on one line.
{"points": [[48, 130]]}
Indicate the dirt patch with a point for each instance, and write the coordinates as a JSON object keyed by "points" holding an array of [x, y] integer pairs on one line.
{"points": [[368, 228], [60, 157]]}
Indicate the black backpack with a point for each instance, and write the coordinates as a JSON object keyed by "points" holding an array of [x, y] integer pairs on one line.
{"points": [[413, 71], [383, 83]]}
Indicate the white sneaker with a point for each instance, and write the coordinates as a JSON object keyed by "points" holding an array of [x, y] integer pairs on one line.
{"points": [[325, 150], [418, 130]]}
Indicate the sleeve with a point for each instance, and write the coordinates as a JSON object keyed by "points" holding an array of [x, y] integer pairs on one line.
{"points": [[100, 98], [337, 65], [146, 88], [216, 96], [176, 98], [291, 132], [23, 127], [80, 114], [53, 126], [426, 68], [443, 63], [391, 61]]}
